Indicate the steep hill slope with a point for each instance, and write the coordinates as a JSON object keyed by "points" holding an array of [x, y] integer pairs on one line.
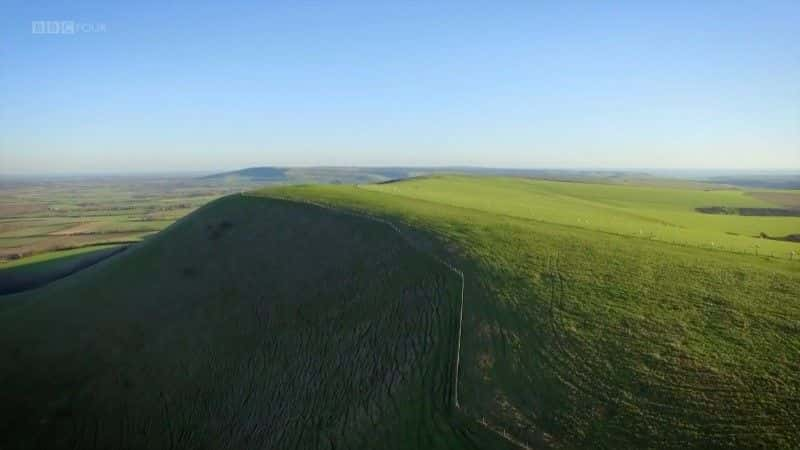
{"points": [[584, 335], [251, 323]]}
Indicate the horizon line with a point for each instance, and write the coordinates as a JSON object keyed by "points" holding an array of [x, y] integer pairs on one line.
{"points": [[166, 172]]}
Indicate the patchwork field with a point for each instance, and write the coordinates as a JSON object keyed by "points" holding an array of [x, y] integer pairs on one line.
{"points": [[48, 216]]}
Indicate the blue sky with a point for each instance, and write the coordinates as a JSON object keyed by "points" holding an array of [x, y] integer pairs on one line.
{"points": [[165, 86]]}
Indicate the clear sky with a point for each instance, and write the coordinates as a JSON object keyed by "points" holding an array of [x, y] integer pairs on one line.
{"points": [[164, 86]]}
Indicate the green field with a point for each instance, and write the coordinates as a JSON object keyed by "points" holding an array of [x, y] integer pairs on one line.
{"points": [[664, 214], [594, 316]]}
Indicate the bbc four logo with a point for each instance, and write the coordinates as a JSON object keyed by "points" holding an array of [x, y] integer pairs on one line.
{"points": [[65, 27]]}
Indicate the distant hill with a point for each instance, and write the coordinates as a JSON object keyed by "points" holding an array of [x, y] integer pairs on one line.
{"points": [[764, 181], [362, 175], [254, 173]]}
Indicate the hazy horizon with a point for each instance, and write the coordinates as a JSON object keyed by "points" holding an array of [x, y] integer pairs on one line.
{"points": [[657, 172], [144, 88]]}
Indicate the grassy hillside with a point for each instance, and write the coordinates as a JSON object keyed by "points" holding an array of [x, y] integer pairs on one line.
{"points": [[257, 322], [665, 214], [579, 332], [252, 323]]}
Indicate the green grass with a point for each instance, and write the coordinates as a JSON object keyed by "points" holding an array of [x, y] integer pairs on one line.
{"points": [[253, 323], [589, 336], [665, 214], [257, 322], [38, 270], [32, 230]]}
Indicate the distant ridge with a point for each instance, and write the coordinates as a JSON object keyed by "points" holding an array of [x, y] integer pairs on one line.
{"points": [[254, 173], [763, 181], [363, 175], [324, 174]]}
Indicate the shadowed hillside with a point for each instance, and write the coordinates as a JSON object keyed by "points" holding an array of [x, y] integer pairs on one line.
{"points": [[252, 323]]}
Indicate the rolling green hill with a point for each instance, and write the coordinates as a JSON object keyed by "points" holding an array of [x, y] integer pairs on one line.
{"points": [[594, 316], [252, 323], [587, 334], [664, 214]]}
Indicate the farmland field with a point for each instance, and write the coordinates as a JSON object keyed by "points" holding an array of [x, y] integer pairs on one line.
{"points": [[46, 217], [334, 316]]}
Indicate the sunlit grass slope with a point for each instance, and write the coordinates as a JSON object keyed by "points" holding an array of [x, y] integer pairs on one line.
{"points": [[665, 214], [580, 333], [251, 323]]}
